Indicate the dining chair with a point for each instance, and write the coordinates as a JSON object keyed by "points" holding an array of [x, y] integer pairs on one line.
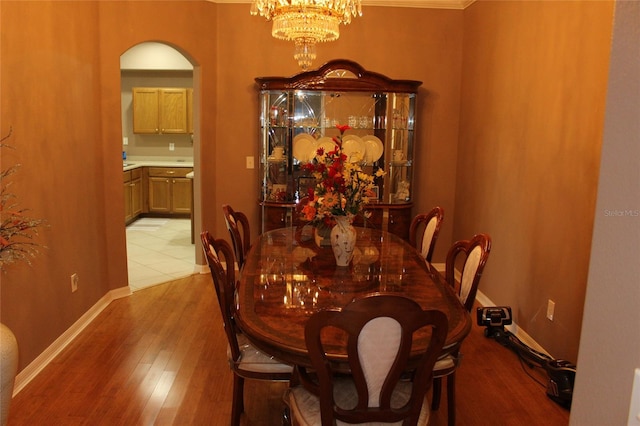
{"points": [[245, 360], [240, 232], [471, 255], [378, 331], [424, 230]]}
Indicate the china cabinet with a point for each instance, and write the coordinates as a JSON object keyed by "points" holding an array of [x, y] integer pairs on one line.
{"points": [[298, 114]]}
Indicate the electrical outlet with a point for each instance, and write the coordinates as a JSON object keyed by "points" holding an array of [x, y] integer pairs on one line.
{"points": [[74, 283], [172, 146], [551, 307], [250, 164], [125, 140]]}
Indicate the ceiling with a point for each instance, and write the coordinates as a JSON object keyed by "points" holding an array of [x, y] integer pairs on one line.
{"points": [[428, 4]]}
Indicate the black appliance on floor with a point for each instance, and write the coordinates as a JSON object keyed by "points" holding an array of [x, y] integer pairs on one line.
{"points": [[561, 373]]}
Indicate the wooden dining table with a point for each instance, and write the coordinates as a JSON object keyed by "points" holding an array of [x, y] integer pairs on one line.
{"points": [[287, 277]]}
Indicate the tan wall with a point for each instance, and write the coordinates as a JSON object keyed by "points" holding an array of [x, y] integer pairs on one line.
{"points": [[51, 99], [61, 94], [62, 98], [416, 44], [531, 129]]}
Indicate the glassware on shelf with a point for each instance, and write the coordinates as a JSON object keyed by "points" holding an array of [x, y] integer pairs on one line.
{"points": [[365, 122], [278, 153]]}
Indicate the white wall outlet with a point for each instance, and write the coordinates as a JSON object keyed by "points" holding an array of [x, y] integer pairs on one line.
{"points": [[172, 146], [250, 163], [74, 283], [125, 140], [551, 308]]}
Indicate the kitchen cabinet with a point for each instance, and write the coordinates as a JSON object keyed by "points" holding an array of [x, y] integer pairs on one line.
{"points": [[160, 110], [170, 190], [190, 111], [133, 195], [298, 114]]}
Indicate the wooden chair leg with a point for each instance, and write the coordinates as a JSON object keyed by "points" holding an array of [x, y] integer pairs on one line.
{"points": [[237, 407], [436, 392], [451, 399]]}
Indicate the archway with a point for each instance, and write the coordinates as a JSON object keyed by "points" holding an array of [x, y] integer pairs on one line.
{"points": [[154, 64]]}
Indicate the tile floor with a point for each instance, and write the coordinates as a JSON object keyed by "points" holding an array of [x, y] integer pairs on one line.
{"points": [[159, 250]]}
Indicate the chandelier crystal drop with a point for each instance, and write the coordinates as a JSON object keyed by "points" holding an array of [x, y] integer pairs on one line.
{"points": [[305, 53], [306, 22]]}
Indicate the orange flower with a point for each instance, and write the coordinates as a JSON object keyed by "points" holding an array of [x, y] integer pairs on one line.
{"points": [[309, 212], [330, 199]]}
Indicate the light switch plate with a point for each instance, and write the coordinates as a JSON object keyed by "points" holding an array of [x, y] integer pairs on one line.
{"points": [[172, 146], [250, 163], [125, 140]]}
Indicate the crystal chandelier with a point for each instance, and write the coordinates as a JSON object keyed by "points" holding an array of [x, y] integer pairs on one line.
{"points": [[306, 22]]}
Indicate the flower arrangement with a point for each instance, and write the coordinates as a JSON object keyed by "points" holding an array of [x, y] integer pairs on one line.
{"points": [[16, 228], [342, 187]]}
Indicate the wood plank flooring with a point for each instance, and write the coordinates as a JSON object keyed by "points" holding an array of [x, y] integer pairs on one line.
{"points": [[158, 357]]}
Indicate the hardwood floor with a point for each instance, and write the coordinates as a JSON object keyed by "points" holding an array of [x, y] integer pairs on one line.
{"points": [[158, 357]]}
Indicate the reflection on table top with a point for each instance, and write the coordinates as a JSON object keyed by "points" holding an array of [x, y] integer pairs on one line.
{"points": [[287, 277]]}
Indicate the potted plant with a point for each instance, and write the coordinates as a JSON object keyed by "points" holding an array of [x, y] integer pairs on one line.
{"points": [[343, 189], [17, 232]]}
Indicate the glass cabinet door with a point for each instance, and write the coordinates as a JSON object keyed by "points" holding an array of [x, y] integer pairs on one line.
{"points": [[399, 155], [275, 164]]}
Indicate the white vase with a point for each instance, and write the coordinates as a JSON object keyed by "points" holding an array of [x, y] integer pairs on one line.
{"points": [[8, 370], [343, 240]]}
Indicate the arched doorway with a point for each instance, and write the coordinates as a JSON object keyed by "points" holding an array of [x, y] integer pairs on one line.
{"points": [[160, 249]]}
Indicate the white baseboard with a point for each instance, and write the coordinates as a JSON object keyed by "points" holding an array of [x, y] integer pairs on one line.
{"points": [[513, 328], [38, 364], [201, 269]]}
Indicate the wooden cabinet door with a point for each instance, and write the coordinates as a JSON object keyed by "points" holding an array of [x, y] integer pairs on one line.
{"points": [[181, 195], [190, 111], [127, 203], [275, 217], [173, 111], [170, 191], [145, 110], [399, 221], [159, 195], [374, 220], [136, 197]]}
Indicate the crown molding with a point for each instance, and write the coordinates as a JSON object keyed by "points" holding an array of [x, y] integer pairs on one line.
{"points": [[421, 4]]}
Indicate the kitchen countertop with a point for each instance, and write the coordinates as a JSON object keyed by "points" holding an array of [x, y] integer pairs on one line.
{"points": [[135, 163]]}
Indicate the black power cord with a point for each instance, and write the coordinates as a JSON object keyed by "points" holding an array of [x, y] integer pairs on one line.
{"points": [[561, 373]]}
